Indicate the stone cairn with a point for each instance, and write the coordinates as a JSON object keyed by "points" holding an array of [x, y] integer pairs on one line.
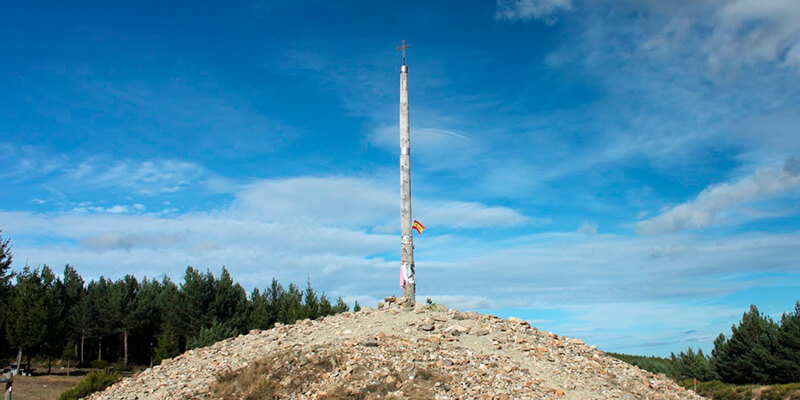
{"points": [[397, 352]]}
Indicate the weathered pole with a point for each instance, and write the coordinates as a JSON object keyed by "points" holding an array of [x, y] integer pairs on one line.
{"points": [[407, 241], [9, 381]]}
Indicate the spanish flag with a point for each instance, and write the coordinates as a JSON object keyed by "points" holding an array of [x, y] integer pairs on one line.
{"points": [[417, 226]]}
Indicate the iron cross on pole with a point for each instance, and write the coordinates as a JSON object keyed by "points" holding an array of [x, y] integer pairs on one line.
{"points": [[407, 280], [403, 48]]}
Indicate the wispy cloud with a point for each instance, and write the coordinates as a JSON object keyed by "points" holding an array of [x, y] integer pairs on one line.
{"points": [[71, 181], [705, 209], [435, 149], [531, 9], [746, 32], [358, 202], [145, 177], [25, 163]]}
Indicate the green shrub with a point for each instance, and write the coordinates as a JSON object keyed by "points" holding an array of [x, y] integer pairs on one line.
{"points": [[120, 366], [211, 335], [789, 391], [94, 382], [167, 344], [720, 391], [99, 364]]}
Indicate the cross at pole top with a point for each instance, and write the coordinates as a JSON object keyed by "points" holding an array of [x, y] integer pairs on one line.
{"points": [[403, 47]]}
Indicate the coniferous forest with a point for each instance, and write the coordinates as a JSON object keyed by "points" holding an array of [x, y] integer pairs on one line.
{"points": [[133, 321], [757, 351]]}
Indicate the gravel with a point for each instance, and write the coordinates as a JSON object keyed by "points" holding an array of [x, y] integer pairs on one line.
{"points": [[396, 352]]}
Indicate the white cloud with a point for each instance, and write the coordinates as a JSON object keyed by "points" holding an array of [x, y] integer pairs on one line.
{"points": [[117, 209], [730, 33], [561, 270], [460, 214], [328, 226], [330, 200], [117, 240], [588, 228], [355, 202], [87, 206], [531, 9], [680, 80], [705, 209], [746, 31]]}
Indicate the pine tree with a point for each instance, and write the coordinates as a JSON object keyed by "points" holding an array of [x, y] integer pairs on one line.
{"points": [[356, 307], [273, 295], [788, 347], [291, 305], [196, 299], [80, 318], [691, 364], [74, 294], [167, 344], [125, 309], [5, 260], [69, 353], [311, 304], [150, 314], [340, 306], [259, 311], [27, 327], [748, 356], [5, 287], [56, 333], [170, 307], [230, 302], [100, 311], [212, 334], [325, 307]]}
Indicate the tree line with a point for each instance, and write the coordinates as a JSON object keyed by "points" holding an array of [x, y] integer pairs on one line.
{"points": [[132, 321], [758, 351]]}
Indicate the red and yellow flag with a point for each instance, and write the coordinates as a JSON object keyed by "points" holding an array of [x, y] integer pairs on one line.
{"points": [[417, 226]]}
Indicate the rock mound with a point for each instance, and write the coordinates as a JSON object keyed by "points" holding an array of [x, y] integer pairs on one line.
{"points": [[427, 352]]}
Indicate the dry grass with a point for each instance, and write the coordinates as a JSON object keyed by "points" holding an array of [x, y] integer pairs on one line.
{"points": [[44, 387], [717, 390], [291, 372]]}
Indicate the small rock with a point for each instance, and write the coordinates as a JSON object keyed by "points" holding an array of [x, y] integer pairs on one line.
{"points": [[457, 328], [481, 332]]}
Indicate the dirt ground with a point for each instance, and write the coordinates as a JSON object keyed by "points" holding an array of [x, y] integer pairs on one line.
{"points": [[44, 387]]}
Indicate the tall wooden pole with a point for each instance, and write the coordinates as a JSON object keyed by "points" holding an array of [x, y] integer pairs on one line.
{"points": [[407, 242]]}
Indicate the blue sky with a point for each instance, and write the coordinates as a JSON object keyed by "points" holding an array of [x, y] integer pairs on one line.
{"points": [[626, 172]]}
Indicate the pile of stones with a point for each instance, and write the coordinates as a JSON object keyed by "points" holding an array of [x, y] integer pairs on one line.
{"points": [[397, 352]]}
